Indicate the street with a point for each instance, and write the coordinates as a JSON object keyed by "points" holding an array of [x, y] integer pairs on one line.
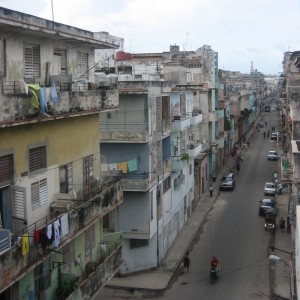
{"points": [[234, 232]]}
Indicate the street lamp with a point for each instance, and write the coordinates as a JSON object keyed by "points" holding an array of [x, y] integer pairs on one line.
{"points": [[277, 258]]}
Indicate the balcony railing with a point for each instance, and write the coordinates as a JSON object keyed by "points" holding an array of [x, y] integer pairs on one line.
{"points": [[79, 99], [13, 264], [96, 273], [136, 182], [125, 132]]}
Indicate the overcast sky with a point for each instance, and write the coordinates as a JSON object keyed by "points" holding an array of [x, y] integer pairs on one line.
{"points": [[241, 31]]}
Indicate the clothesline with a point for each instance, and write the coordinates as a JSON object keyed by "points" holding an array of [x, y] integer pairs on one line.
{"points": [[125, 166]]}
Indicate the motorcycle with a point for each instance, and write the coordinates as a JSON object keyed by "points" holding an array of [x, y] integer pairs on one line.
{"points": [[213, 275]]}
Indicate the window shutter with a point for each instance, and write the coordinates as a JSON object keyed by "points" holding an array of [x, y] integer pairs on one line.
{"points": [[82, 65], [70, 177], [37, 158], [32, 61], [43, 192], [18, 203], [91, 167], [6, 169], [35, 203]]}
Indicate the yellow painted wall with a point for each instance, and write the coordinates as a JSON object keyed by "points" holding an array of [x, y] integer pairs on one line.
{"points": [[67, 140]]}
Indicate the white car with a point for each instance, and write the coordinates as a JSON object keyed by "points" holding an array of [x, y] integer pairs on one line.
{"points": [[272, 155], [270, 188]]}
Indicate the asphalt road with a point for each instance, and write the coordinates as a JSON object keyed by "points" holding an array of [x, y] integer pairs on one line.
{"points": [[235, 233]]}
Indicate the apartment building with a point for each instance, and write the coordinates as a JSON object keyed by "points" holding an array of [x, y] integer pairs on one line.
{"points": [[59, 235]]}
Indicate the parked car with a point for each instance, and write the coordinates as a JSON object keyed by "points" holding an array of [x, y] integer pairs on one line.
{"points": [[227, 182], [274, 136], [267, 108], [270, 188], [265, 204], [272, 155]]}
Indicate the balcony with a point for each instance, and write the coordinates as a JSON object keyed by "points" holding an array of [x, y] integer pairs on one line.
{"points": [[167, 166], [195, 149], [126, 132], [179, 124], [178, 164], [19, 107], [136, 182], [80, 215], [98, 272], [196, 119]]}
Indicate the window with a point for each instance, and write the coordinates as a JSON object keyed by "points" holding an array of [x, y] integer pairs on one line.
{"points": [[135, 243], [39, 193], [66, 178], [60, 62], [89, 240], [6, 169], [191, 169], [151, 205], [105, 221], [31, 61], [68, 256], [82, 65], [42, 277], [167, 184], [88, 171], [37, 158], [4, 57]]}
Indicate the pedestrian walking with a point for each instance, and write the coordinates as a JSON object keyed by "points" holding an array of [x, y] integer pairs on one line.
{"points": [[266, 123], [186, 262], [211, 190], [280, 187], [268, 134], [282, 224]]}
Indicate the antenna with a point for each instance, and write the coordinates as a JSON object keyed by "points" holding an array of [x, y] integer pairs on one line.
{"points": [[186, 41]]}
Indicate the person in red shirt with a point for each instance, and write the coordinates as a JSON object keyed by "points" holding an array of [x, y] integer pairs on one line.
{"points": [[215, 264]]}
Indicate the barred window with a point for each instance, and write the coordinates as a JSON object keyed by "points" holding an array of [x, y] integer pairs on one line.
{"points": [[39, 193], [89, 240], [135, 243], [66, 178], [68, 256], [37, 158], [167, 184]]}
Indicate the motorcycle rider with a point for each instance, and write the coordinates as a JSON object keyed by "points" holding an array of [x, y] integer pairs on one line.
{"points": [[215, 264]]}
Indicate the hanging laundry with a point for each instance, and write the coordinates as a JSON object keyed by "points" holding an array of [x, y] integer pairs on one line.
{"points": [[53, 92], [25, 244], [64, 223], [23, 86], [43, 100], [132, 165], [34, 89], [36, 236], [49, 231], [113, 167], [43, 239], [104, 167], [56, 226], [123, 166], [103, 247]]}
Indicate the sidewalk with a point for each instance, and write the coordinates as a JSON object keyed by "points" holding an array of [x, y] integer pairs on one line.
{"points": [[282, 279], [157, 281]]}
